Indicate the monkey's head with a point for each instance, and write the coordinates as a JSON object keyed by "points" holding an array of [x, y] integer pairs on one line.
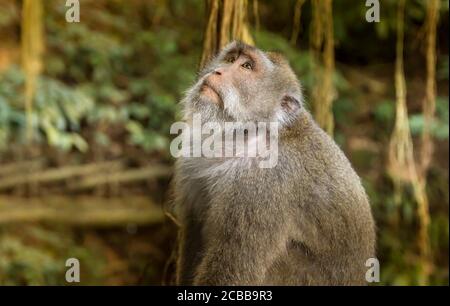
{"points": [[245, 84]]}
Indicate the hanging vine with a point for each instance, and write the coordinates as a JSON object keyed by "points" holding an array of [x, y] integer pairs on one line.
{"points": [[227, 21], [401, 164], [32, 48], [297, 21], [322, 50], [256, 18], [429, 102]]}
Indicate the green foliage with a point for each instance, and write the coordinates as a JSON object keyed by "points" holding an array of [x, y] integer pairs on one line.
{"points": [[439, 127], [103, 78], [58, 110], [37, 256], [385, 111], [385, 114]]}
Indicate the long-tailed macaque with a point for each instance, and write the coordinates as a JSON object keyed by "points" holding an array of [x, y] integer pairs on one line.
{"points": [[305, 221]]}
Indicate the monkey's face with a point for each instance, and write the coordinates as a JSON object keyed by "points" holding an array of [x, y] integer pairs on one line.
{"points": [[245, 84]]}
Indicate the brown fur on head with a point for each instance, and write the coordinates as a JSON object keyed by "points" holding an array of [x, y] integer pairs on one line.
{"points": [[277, 58], [243, 83]]}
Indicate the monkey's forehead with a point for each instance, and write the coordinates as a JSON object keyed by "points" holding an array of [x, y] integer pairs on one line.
{"points": [[238, 47]]}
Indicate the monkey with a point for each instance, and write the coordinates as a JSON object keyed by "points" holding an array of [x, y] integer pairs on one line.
{"points": [[305, 221]]}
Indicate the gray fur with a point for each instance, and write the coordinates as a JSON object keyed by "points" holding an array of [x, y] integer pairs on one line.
{"points": [[305, 222]]}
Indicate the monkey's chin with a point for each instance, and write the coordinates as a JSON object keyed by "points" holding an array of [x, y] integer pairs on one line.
{"points": [[209, 95]]}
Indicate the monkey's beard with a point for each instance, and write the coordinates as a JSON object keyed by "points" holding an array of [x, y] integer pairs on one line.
{"points": [[224, 109], [232, 104]]}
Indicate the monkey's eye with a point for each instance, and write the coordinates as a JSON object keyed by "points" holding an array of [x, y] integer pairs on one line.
{"points": [[247, 65], [230, 59]]}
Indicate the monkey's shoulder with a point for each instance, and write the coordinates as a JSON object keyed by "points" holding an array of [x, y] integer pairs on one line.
{"points": [[317, 164]]}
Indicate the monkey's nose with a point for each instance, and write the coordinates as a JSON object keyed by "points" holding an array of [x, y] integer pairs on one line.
{"points": [[218, 72]]}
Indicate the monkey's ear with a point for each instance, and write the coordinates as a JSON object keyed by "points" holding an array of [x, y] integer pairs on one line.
{"points": [[290, 108], [290, 104]]}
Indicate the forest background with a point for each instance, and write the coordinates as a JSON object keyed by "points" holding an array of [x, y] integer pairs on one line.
{"points": [[86, 107]]}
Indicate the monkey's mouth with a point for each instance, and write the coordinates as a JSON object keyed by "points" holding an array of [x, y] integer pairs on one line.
{"points": [[209, 91]]}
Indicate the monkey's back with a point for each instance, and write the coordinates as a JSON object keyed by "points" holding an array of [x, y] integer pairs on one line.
{"points": [[335, 230]]}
